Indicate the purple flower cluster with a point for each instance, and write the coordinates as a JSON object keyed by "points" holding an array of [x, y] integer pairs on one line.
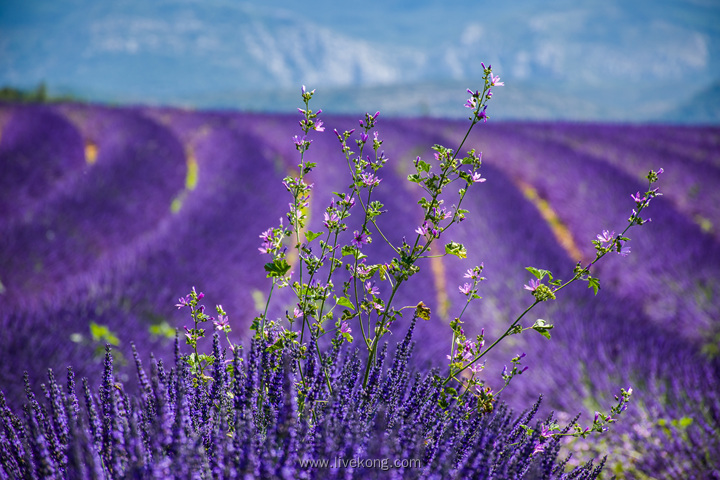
{"points": [[175, 427]]}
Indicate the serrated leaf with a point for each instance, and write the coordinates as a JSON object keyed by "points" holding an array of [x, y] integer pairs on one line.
{"points": [[277, 268]]}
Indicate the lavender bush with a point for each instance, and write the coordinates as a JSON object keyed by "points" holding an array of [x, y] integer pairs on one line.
{"points": [[232, 426]]}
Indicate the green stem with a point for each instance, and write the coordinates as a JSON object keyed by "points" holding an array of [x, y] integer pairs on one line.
{"points": [[264, 315], [452, 375], [378, 334]]}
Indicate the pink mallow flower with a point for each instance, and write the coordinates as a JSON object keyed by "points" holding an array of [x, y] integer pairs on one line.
{"points": [[369, 179], [475, 176], [533, 285], [637, 197], [183, 302], [222, 322], [371, 288], [495, 81], [422, 230], [606, 236], [359, 239]]}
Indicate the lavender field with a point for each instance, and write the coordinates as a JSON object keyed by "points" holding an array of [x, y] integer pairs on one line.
{"points": [[108, 215]]}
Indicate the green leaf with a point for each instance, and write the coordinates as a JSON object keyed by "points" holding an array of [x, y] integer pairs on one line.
{"points": [[310, 236], [162, 329], [457, 249], [354, 251], [278, 268], [594, 283], [345, 302], [102, 333], [542, 327], [539, 273], [278, 345], [414, 177], [685, 422]]}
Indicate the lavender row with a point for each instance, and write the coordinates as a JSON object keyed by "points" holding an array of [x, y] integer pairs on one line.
{"points": [[210, 242], [674, 287], [40, 153], [118, 204], [690, 157]]}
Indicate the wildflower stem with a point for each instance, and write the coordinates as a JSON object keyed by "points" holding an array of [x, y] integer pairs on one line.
{"points": [[379, 331], [452, 375], [267, 306]]}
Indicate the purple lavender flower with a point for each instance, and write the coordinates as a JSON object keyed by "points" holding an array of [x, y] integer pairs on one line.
{"points": [[135, 434]]}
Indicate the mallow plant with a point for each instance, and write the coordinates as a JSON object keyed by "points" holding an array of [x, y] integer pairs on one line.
{"points": [[317, 392]]}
